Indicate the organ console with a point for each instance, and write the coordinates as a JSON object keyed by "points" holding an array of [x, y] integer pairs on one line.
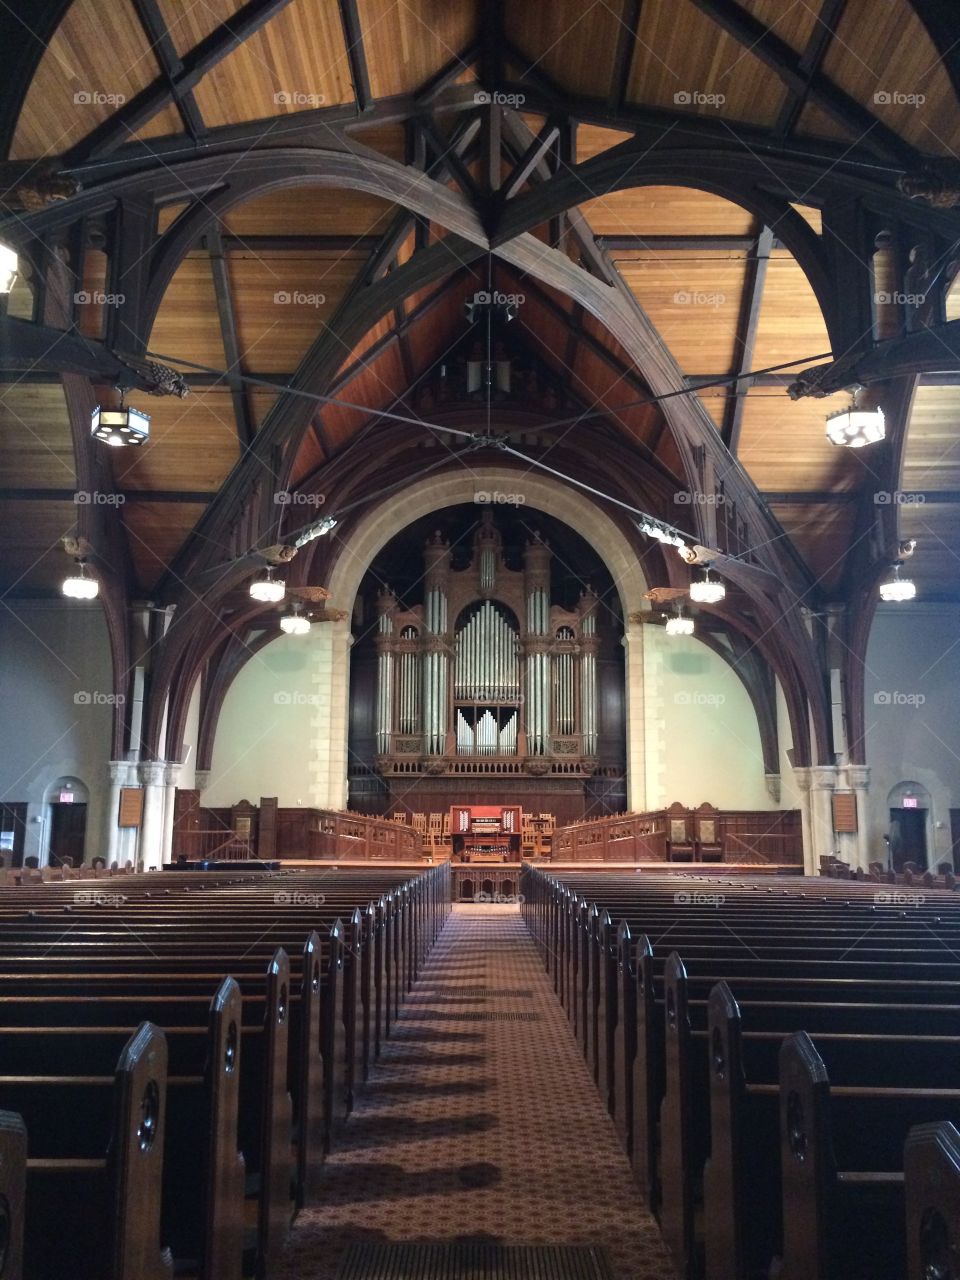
{"points": [[486, 833]]}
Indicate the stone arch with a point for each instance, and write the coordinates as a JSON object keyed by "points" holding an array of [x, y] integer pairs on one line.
{"points": [[584, 514]]}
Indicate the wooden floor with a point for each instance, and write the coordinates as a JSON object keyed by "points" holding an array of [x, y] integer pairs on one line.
{"points": [[481, 1124]]}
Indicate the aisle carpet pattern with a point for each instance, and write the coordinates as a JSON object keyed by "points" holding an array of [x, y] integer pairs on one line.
{"points": [[480, 1124]]}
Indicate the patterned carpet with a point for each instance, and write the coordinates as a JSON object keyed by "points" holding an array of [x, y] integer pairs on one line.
{"points": [[481, 1123]]}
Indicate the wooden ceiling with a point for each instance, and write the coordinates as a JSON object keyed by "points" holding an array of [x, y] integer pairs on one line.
{"points": [[724, 294]]}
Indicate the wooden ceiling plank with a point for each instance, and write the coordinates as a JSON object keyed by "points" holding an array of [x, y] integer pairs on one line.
{"points": [[746, 339], [764, 44], [811, 62], [202, 58]]}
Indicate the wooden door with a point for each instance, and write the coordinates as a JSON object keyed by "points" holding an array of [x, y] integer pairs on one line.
{"points": [[68, 828], [187, 840]]}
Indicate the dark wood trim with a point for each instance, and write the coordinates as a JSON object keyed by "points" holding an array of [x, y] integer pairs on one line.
{"points": [[128, 495], [141, 108], [228, 333], [940, 19], [811, 61], [766, 45], [623, 58], [356, 54], [157, 32], [750, 304]]}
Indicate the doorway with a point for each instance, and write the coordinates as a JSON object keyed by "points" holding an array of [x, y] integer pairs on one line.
{"points": [[908, 838], [68, 829]]}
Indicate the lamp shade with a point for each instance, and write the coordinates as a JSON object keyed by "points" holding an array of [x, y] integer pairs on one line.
{"points": [[267, 589], [79, 585], [855, 428], [896, 589], [125, 425], [679, 626], [294, 624], [707, 591]]}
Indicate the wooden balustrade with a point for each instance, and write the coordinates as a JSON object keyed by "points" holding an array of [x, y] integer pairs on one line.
{"points": [[680, 834]]}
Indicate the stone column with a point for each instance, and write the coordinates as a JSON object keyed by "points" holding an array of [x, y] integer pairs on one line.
{"points": [[859, 777], [823, 785], [150, 848], [119, 774], [633, 642], [802, 779], [170, 778]]}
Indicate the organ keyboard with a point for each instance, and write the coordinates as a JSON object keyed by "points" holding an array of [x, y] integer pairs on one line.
{"points": [[485, 833]]}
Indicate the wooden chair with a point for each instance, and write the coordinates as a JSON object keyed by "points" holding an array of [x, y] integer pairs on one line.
{"points": [[706, 833], [680, 842]]}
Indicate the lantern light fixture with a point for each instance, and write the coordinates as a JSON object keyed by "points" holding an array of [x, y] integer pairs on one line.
{"points": [[121, 426], [268, 589], [295, 623], [856, 426], [707, 590], [679, 624], [896, 589], [80, 585]]}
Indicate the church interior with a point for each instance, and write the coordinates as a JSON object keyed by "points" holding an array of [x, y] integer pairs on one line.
{"points": [[480, 640]]}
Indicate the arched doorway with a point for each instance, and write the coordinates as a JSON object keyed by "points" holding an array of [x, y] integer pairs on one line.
{"points": [[909, 809], [66, 802]]}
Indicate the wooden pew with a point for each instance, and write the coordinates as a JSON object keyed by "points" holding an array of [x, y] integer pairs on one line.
{"points": [[110, 1201]]}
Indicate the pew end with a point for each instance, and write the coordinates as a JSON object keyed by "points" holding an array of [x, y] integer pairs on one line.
{"points": [[931, 1165]]}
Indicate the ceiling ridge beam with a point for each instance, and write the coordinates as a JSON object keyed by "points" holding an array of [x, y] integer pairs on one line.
{"points": [[765, 44], [143, 106]]}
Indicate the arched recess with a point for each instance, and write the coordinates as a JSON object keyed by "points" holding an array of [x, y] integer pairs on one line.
{"points": [[378, 525]]}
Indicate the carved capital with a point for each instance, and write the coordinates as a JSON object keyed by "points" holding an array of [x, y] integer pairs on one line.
{"points": [[153, 773], [859, 776]]}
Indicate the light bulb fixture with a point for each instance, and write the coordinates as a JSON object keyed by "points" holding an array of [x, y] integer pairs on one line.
{"points": [[661, 532], [679, 624], [79, 585], [707, 590], [897, 589], [857, 426], [268, 589], [319, 529], [294, 623], [125, 425], [9, 265]]}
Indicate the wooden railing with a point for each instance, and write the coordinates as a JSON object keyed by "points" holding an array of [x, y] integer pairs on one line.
{"points": [[731, 835]]}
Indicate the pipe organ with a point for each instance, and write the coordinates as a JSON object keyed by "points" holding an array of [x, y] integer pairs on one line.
{"points": [[487, 675]]}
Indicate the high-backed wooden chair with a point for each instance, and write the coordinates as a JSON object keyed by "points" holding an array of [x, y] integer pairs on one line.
{"points": [[419, 823], [680, 841], [706, 833]]}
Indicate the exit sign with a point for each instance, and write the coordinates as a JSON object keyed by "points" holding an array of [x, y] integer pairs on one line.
{"points": [[66, 797], [910, 802]]}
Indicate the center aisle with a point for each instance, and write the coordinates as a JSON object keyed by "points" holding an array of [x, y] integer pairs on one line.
{"points": [[481, 1123]]}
